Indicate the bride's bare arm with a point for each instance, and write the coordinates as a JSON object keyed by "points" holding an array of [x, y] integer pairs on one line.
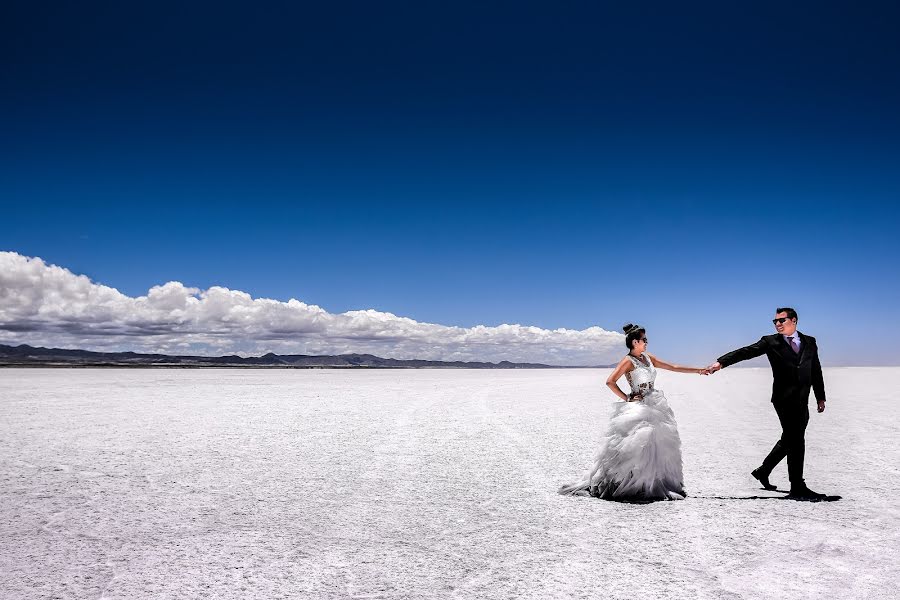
{"points": [[623, 367], [661, 364]]}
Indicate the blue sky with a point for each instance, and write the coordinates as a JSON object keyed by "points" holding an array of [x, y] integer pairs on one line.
{"points": [[688, 168]]}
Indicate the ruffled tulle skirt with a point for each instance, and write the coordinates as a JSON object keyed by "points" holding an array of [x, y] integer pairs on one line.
{"points": [[640, 456]]}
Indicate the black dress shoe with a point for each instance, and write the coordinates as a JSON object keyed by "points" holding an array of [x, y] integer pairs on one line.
{"points": [[763, 479], [804, 493]]}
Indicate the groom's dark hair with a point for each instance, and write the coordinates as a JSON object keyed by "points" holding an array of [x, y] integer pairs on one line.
{"points": [[791, 313]]}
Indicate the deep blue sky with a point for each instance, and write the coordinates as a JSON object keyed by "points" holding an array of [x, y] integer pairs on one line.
{"points": [[686, 166]]}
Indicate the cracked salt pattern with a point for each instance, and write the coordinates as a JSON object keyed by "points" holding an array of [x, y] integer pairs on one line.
{"points": [[425, 484]]}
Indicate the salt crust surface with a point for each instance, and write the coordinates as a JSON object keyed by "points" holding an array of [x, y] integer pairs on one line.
{"points": [[426, 484]]}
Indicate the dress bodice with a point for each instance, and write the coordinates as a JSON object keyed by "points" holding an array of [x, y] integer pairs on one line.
{"points": [[643, 376]]}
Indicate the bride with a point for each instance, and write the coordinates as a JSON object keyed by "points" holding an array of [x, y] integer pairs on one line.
{"points": [[640, 456]]}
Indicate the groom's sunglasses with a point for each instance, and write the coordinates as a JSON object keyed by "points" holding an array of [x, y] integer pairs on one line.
{"points": [[781, 320]]}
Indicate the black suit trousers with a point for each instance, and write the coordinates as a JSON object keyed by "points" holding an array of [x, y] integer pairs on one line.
{"points": [[794, 417]]}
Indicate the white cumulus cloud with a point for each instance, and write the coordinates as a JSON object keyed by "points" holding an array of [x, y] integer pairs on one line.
{"points": [[42, 304]]}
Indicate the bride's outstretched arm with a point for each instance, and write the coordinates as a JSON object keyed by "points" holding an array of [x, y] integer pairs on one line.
{"points": [[661, 364], [623, 367]]}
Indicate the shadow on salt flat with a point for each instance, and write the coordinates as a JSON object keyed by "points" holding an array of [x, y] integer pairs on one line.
{"points": [[825, 499]]}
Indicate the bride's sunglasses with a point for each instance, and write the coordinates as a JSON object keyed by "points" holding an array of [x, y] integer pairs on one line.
{"points": [[643, 339], [780, 320]]}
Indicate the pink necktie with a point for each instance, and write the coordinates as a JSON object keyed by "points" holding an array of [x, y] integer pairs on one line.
{"points": [[794, 345]]}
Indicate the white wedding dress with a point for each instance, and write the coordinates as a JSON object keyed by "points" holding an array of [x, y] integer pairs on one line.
{"points": [[640, 456]]}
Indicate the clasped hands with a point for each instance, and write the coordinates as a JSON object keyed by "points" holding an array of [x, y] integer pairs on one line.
{"points": [[711, 369]]}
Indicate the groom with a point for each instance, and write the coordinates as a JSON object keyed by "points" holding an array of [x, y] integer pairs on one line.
{"points": [[795, 366]]}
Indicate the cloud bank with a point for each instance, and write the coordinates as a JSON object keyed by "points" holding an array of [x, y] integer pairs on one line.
{"points": [[47, 305]]}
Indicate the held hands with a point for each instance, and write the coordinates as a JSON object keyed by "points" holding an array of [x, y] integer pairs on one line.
{"points": [[713, 368]]}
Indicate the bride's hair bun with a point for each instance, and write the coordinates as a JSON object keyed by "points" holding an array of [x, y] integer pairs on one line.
{"points": [[629, 328]]}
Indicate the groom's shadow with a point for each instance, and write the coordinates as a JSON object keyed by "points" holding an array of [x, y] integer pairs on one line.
{"points": [[786, 497]]}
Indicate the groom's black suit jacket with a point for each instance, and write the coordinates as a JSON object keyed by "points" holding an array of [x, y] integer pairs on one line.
{"points": [[794, 374]]}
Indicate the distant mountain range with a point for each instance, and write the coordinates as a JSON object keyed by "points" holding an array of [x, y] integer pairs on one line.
{"points": [[29, 356]]}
